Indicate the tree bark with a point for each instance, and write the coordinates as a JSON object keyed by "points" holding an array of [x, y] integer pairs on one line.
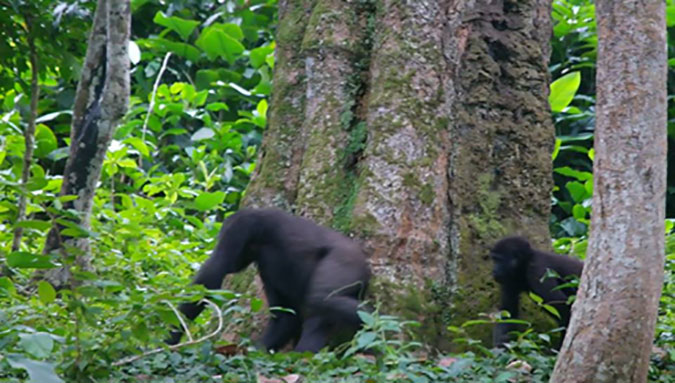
{"points": [[383, 114], [610, 336], [101, 101], [502, 140]]}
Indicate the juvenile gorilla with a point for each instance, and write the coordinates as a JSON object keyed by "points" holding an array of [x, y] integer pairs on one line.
{"points": [[317, 272], [519, 268]]}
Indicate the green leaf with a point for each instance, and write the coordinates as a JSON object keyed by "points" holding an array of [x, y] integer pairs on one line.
{"points": [[265, 85], [34, 224], [127, 163], [38, 372], [259, 55], [216, 43], [262, 108], [552, 310], [39, 345], [232, 30], [579, 212], [475, 322], [188, 51], [205, 77], [200, 98], [365, 339], [577, 191], [7, 285], [139, 145], [670, 15], [556, 149], [46, 292], [563, 91], [256, 304], [567, 171], [45, 141], [589, 187], [367, 318], [26, 260], [181, 26], [536, 298], [217, 106], [207, 201], [202, 134]]}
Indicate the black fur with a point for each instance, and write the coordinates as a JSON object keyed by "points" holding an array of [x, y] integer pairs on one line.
{"points": [[315, 271], [519, 268]]}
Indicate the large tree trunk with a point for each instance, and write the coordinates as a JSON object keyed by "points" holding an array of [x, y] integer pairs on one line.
{"points": [[101, 101], [406, 124], [610, 337]]}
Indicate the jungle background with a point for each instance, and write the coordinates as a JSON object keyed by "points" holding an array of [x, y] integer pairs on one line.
{"points": [[181, 161]]}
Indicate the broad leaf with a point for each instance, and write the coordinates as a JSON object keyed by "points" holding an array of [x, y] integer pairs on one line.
{"points": [[207, 201], [563, 91], [46, 292], [38, 372], [181, 26], [39, 345]]}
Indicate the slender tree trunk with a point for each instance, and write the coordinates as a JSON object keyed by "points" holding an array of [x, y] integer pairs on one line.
{"points": [[610, 337], [29, 134], [389, 121], [101, 101]]}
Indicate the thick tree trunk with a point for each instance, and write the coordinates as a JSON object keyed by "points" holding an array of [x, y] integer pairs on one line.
{"points": [[610, 337], [391, 121], [501, 144], [100, 102]]}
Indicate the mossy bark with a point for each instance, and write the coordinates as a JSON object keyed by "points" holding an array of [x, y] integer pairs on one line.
{"points": [[502, 141], [421, 129]]}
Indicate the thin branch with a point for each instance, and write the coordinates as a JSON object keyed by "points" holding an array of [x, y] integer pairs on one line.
{"points": [[154, 94], [181, 320], [218, 312]]}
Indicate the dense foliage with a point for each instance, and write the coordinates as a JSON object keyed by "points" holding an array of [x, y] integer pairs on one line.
{"points": [[180, 162]]}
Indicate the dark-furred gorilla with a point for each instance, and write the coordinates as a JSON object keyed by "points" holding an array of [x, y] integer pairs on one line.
{"points": [[518, 267], [317, 272]]}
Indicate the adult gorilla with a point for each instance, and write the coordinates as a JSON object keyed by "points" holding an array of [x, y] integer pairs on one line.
{"points": [[317, 272]]}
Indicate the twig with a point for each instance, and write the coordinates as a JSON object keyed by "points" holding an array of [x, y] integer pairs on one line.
{"points": [[179, 345], [153, 94], [180, 319]]}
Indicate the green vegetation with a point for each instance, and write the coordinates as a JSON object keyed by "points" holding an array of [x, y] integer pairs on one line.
{"points": [[173, 173]]}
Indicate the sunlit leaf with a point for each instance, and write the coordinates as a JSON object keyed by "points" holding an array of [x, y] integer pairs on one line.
{"points": [[563, 91], [34, 224], [26, 260], [46, 292], [207, 201], [203, 134], [577, 191], [567, 171], [134, 52], [256, 304]]}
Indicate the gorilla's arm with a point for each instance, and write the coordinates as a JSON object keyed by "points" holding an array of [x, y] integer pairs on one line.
{"points": [[226, 258], [510, 301]]}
